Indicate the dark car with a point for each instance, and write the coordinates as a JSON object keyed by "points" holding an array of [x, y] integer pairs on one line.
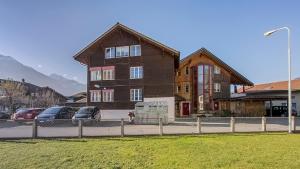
{"points": [[51, 114], [29, 113], [4, 115], [87, 114]]}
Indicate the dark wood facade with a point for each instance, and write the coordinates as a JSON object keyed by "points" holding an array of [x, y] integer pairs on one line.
{"points": [[159, 65]]}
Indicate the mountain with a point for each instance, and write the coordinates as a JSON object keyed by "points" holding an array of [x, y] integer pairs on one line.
{"points": [[11, 68]]}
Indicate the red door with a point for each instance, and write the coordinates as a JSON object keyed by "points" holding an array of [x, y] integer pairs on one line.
{"points": [[186, 109]]}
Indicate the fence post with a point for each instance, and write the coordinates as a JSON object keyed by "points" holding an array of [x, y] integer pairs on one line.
{"points": [[80, 128], [232, 124], [293, 124], [34, 129], [199, 124], [263, 124], [122, 127], [160, 126]]}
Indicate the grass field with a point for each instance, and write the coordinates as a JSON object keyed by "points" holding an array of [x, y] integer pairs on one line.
{"points": [[274, 150]]}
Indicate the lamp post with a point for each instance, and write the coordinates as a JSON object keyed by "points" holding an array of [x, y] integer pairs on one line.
{"points": [[289, 72]]}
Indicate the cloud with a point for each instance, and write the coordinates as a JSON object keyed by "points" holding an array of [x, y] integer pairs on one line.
{"points": [[65, 75], [75, 78], [39, 66]]}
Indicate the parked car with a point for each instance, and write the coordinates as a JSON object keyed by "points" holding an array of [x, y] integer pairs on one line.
{"points": [[51, 114], [4, 115], [87, 114], [28, 113]]}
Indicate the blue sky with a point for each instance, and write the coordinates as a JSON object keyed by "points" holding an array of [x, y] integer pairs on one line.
{"points": [[46, 34]]}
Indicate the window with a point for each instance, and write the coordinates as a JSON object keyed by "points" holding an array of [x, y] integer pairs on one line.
{"points": [[95, 95], [187, 88], [122, 51], [187, 70], [108, 95], [201, 103], [110, 53], [178, 89], [135, 50], [136, 95], [95, 73], [108, 73], [217, 87], [136, 72], [217, 70]]}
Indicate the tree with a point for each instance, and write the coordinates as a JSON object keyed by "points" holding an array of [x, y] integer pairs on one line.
{"points": [[14, 92]]}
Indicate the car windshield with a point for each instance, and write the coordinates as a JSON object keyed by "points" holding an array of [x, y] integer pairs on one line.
{"points": [[52, 110], [85, 110], [22, 111]]}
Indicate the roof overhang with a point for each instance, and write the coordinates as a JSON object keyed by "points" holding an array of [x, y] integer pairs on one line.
{"points": [[236, 77], [81, 56]]}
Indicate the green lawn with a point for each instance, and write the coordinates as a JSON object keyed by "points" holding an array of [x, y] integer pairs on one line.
{"points": [[274, 150]]}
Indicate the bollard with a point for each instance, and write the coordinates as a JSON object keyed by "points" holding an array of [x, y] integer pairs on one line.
{"points": [[199, 124], [80, 128], [160, 126], [34, 129], [232, 124], [264, 124], [293, 124], [122, 127]]}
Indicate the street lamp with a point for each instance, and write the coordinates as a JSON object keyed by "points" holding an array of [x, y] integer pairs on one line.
{"points": [[289, 72]]}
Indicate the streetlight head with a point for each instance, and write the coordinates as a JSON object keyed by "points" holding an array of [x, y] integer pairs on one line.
{"points": [[269, 33]]}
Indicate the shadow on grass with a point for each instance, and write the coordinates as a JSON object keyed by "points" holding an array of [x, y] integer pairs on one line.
{"points": [[65, 140], [152, 137], [19, 141]]}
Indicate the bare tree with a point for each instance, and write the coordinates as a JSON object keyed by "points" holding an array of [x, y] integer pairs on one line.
{"points": [[15, 93]]}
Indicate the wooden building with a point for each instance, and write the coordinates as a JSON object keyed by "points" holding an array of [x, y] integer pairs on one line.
{"points": [[125, 67], [267, 99], [203, 84]]}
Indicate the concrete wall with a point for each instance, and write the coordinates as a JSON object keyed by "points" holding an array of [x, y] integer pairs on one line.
{"points": [[171, 105], [118, 114], [114, 114]]}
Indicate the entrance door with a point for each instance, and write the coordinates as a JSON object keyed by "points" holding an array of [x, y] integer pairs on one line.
{"points": [[185, 109]]}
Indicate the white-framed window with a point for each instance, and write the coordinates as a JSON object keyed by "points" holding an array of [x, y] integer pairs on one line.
{"points": [[122, 51], [135, 50], [178, 88], [95, 75], [108, 95], [217, 70], [201, 106], [136, 72], [95, 95], [110, 53], [108, 73], [217, 87], [201, 103], [136, 95]]}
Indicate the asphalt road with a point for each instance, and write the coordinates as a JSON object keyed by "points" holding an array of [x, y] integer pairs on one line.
{"points": [[65, 128]]}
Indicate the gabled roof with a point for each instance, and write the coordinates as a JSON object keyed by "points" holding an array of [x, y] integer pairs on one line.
{"points": [[273, 86], [79, 57], [236, 78]]}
